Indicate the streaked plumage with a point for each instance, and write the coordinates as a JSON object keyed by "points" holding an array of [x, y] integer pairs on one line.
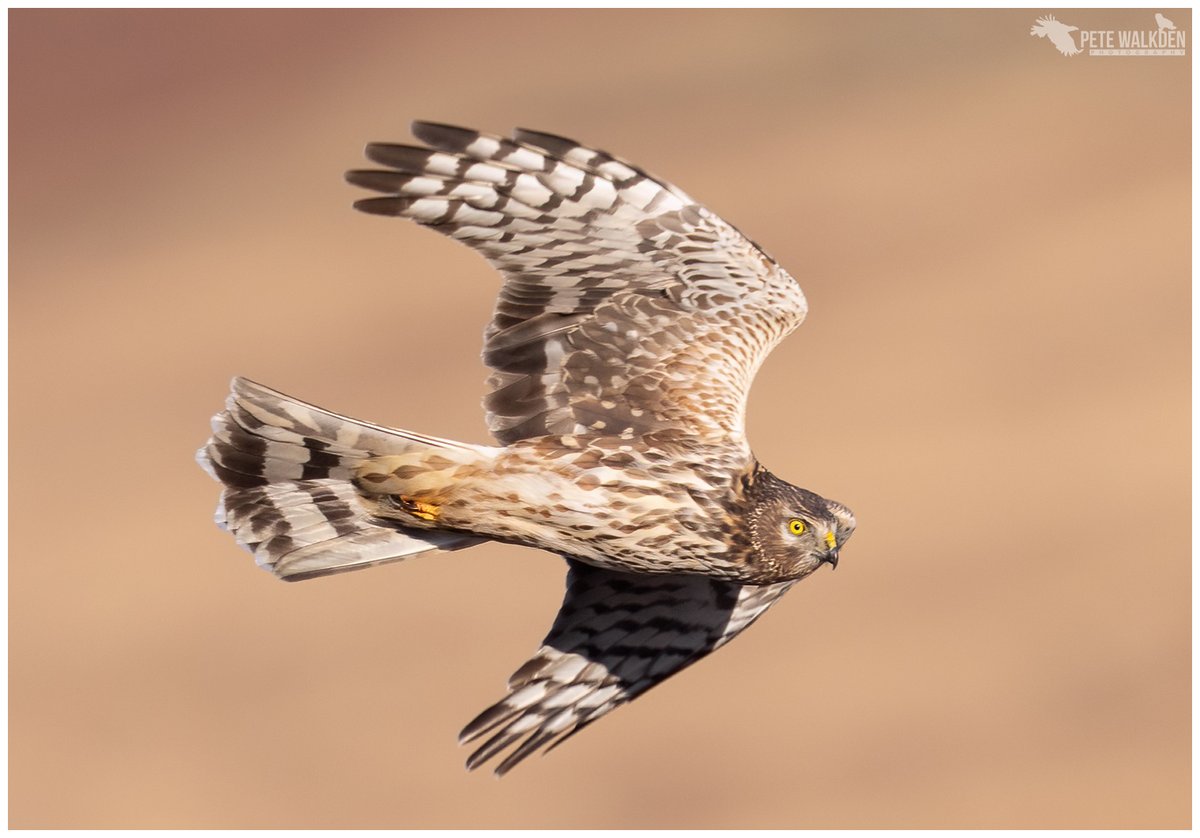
{"points": [[627, 332]]}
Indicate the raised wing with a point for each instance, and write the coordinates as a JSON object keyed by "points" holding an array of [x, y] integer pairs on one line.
{"points": [[616, 636], [627, 308]]}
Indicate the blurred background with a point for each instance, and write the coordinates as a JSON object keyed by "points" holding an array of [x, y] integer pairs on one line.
{"points": [[995, 244]]}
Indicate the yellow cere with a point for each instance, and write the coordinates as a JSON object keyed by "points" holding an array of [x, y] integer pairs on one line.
{"points": [[830, 540]]}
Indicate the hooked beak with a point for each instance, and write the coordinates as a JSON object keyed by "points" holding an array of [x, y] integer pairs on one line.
{"points": [[832, 555]]}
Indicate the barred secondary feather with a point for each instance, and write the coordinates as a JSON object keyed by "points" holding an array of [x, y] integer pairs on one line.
{"points": [[629, 326]]}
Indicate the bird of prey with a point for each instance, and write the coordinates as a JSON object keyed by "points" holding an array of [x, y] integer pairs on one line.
{"points": [[1163, 21], [630, 323], [1059, 34]]}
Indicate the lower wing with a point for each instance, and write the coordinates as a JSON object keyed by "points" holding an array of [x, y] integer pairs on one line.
{"points": [[616, 636]]}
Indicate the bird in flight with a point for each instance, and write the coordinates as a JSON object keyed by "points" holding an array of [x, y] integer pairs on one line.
{"points": [[629, 326]]}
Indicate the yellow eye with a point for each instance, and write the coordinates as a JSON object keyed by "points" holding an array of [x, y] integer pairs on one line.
{"points": [[795, 526]]}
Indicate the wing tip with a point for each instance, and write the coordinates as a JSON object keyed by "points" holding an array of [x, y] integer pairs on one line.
{"points": [[442, 134], [375, 180], [554, 143], [380, 206], [485, 721], [405, 158]]}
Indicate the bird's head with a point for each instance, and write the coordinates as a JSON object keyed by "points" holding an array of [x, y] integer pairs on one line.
{"points": [[793, 529]]}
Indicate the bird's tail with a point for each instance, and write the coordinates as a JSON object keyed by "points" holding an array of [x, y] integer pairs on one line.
{"points": [[303, 487]]}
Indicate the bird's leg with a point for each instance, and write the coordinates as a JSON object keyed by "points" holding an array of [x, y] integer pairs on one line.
{"points": [[419, 508]]}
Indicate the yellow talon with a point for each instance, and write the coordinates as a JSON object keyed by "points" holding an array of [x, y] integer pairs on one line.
{"points": [[420, 509]]}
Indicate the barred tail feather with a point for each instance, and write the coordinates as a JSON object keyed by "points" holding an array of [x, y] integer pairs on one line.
{"points": [[287, 468]]}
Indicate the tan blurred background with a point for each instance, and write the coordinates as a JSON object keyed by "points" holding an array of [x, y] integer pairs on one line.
{"points": [[995, 243]]}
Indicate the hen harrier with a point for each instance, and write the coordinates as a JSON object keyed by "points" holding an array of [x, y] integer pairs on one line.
{"points": [[629, 325]]}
